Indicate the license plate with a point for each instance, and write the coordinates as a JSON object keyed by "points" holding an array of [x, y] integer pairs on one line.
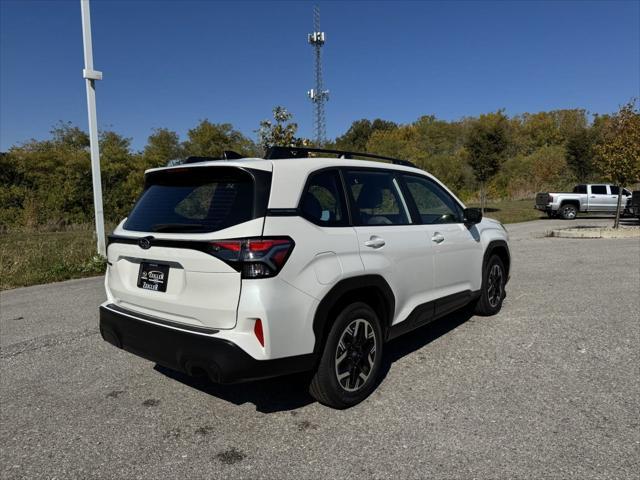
{"points": [[153, 276]]}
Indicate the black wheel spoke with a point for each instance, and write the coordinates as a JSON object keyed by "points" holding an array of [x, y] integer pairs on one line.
{"points": [[355, 355], [353, 376], [495, 285]]}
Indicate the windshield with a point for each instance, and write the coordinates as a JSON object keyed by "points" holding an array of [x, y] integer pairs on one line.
{"points": [[193, 200]]}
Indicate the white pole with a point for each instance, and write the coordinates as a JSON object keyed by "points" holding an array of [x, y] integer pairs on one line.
{"points": [[90, 76]]}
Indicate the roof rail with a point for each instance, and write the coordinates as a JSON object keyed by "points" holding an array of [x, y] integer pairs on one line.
{"points": [[226, 155], [276, 152]]}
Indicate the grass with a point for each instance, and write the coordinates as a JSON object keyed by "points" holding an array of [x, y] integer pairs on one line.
{"points": [[511, 211], [31, 258], [28, 258]]}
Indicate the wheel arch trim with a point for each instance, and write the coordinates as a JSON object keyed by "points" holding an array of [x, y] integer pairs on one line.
{"points": [[497, 246], [340, 291], [569, 201]]}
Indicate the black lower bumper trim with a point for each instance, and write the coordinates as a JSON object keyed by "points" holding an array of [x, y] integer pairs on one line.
{"points": [[191, 353]]}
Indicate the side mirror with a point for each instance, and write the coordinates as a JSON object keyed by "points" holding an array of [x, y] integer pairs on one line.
{"points": [[471, 216]]}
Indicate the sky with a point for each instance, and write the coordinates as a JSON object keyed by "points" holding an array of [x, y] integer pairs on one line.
{"points": [[172, 63]]}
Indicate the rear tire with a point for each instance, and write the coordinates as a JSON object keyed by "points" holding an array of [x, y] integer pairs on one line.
{"points": [[350, 363], [492, 292], [569, 211]]}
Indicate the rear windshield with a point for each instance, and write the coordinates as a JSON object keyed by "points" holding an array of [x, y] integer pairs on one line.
{"points": [[193, 200]]}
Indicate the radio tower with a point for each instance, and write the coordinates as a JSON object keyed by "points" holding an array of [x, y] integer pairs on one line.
{"points": [[318, 95]]}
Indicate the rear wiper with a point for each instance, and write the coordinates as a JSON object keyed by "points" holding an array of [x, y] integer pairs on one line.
{"points": [[178, 227]]}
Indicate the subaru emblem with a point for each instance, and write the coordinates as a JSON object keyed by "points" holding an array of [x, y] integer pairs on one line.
{"points": [[145, 243]]}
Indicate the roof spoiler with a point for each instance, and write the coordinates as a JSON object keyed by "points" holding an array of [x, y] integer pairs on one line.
{"points": [[226, 155]]}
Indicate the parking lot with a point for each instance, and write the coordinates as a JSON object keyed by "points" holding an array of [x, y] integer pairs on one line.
{"points": [[549, 388]]}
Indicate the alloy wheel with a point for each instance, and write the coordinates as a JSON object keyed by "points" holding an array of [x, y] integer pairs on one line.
{"points": [[495, 285], [355, 355], [569, 212]]}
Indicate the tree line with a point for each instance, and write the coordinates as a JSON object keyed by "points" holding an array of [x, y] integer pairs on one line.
{"points": [[47, 183]]}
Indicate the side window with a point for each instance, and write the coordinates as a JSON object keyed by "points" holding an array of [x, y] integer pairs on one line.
{"points": [[598, 189], [322, 201], [377, 198], [615, 189], [434, 204]]}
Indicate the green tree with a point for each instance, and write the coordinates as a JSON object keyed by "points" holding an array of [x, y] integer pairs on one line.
{"points": [[162, 145], [47, 179], [211, 139], [486, 145], [356, 138], [618, 154], [398, 142], [117, 163], [437, 137], [435, 145], [279, 132], [579, 154]]}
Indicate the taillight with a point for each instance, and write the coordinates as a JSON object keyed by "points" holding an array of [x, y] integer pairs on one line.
{"points": [[254, 257]]}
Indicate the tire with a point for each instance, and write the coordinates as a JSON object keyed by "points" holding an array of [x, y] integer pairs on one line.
{"points": [[551, 214], [568, 211], [360, 360], [494, 277]]}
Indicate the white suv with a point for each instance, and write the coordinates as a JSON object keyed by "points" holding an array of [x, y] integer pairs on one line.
{"points": [[250, 268]]}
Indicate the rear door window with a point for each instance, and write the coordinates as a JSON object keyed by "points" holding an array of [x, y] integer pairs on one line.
{"points": [[376, 197], [193, 200], [598, 189]]}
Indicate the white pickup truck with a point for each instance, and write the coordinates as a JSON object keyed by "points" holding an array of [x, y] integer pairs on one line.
{"points": [[584, 198]]}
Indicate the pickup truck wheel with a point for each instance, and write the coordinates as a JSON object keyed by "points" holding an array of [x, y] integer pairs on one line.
{"points": [[350, 364], [569, 211], [492, 293]]}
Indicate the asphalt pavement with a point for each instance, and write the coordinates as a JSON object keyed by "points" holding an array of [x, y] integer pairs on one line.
{"points": [[549, 388]]}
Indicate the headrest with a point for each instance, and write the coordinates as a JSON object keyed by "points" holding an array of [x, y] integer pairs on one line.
{"points": [[311, 206], [370, 196]]}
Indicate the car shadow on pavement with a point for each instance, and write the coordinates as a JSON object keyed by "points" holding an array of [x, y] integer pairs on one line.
{"points": [[585, 216], [626, 220], [278, 394], [290, 392], [415, 340]]}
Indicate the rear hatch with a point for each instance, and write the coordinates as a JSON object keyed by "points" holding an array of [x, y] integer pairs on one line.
{"points": [[162, 258]]}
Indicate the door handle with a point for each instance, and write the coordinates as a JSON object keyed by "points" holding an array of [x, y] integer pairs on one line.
{"points": [[375, 242], [437, 238], [593, 196]]}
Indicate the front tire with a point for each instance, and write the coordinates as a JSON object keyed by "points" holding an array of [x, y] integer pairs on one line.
{"points": [[350, 363], [492, 292]]}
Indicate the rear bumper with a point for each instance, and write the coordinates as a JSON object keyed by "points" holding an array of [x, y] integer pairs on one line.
{"points": [[544, 208], [191, 353]]}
